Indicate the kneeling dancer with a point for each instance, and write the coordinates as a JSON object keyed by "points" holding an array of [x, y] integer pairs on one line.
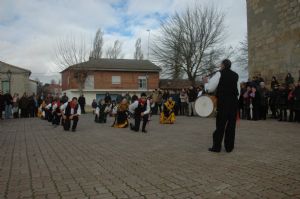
{"points": [[102, 111], [71, 112], [141, 109], [121, 112], [56, 112], [168, 116]]}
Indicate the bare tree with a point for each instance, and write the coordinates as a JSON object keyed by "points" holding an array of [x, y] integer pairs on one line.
{"points": [[188, 40], [96, 52], [138, 54], [242, 55], [214, 57], [71, 51], [115, 51]]}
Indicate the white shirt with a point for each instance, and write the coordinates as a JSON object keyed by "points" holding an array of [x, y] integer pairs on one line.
{"points": [[135, 104], [49, 106], [64, 106], [213, 83]]}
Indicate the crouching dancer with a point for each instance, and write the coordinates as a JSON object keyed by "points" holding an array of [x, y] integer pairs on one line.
{"points": [[102, 111], [71, 111], [56, 112], [140, 109]]}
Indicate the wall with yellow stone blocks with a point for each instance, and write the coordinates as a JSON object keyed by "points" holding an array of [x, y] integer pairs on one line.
{"points": [[274, 37]]}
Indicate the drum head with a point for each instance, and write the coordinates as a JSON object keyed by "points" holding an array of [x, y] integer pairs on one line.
{"points": [[204, 106]]}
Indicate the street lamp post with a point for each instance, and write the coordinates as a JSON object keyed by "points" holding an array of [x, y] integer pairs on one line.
{"points": [[9, 73], [148, 30]]}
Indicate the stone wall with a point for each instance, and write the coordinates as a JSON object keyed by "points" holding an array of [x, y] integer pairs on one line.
{"points": [[274, 37]]}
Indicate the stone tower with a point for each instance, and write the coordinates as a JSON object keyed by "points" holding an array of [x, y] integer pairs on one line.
{"points": [[274, 38]]}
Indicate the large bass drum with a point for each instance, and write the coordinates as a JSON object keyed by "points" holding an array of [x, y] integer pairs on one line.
{"points": [[205, 105]]}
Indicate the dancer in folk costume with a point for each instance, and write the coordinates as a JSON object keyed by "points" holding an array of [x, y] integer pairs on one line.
{"points": [[41, 110], [56, 111], [141, 110], [121, 114], [102, 111], [168, 115], [71, 111]]}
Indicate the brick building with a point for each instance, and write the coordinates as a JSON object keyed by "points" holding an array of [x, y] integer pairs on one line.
{"points": [[52, 88], [116, 76], [177, 84], [274, 37]]}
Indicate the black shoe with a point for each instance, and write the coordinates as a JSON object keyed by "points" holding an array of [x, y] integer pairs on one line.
{"points": [[214, 150], [144, 131], [73, 130], [229, 151]]}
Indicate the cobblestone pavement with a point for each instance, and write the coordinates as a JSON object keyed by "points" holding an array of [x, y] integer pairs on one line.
{"points": [[171, 161]]}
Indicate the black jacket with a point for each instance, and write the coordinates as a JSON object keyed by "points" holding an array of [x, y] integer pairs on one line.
{"points": [[23, 103], [192, 94], [8, 99], [81, 100], [297, 98], [256, 100], [282, 98], [1, 102]]}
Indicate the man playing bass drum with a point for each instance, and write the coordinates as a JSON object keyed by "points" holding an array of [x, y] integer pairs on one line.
{"points": [[226, 83]]}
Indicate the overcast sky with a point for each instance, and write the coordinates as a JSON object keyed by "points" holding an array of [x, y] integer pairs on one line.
{"points": [[30, 29]]}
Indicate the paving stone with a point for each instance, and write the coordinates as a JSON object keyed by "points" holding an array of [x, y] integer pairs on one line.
{"points": [[170, 161]]}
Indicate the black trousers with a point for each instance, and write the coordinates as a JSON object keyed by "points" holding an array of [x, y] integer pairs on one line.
{"points": [[256, 113], [226, 124], [56, 118], [274, 111], [154, 109], [263, 112], [246, 113], [24, 113], [137, 123], [31, 112], [82, 107], [67, 123], [297, 116], [159, 107], [282, 114], [50, 116]]}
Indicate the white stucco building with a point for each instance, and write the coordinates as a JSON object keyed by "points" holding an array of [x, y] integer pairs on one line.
{"points": [[14, 79]]}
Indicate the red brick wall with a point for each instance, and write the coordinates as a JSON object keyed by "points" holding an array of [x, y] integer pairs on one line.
{"points": [[64, 80], [103, 80], [68, 80]]}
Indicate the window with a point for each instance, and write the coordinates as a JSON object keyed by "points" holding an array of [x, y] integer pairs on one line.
{"points": [[89, 82], [5, 86], [115, 79], [142, 82]]}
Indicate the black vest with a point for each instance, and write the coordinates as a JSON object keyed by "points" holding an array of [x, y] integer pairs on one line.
{"points": [[227, 88], [68, 109], [141, 108]]}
